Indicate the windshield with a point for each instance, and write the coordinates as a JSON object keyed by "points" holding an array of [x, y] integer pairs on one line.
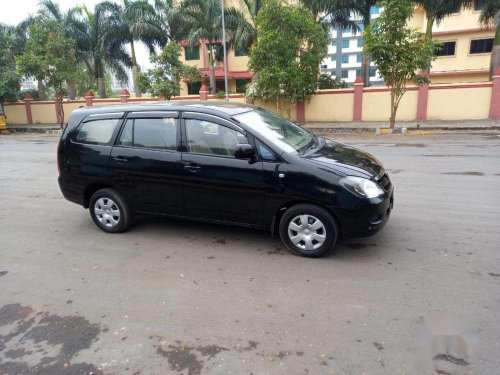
{"points": [[282, 133]]}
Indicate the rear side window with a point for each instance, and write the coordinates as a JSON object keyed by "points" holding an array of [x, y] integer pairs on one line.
{"points": [[98, 131], [156, 133]]}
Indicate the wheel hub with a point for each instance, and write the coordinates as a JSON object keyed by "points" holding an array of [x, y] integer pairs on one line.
{"points": [[307, 232]]}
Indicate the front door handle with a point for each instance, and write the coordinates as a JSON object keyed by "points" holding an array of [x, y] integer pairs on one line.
{"points": [[193, 168], [120, 159]]}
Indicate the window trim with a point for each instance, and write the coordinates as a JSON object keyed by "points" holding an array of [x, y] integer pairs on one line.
{"points": [[449, 41], [480, 53], [172, 114]]}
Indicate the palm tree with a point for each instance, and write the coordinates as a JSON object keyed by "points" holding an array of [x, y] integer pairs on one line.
{"points": [[136, 17], [337, 14], [203, 19], [437, 10], [102, 36]]}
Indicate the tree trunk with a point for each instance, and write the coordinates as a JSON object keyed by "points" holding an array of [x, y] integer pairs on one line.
{"points": [[41, 90], [137, 90], [72, 90], [365, 64], [135, 70], [102, 87], [495, 55], [392, 119], [211, 61], [428, 35]]}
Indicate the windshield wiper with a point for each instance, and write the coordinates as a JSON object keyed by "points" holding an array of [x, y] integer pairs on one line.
{"points": [[310, 145]]}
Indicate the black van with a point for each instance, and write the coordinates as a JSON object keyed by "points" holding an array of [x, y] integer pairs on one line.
{"points": [[221, 162]]}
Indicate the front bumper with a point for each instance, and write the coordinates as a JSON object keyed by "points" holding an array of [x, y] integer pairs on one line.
{"points": [[367, 220]]}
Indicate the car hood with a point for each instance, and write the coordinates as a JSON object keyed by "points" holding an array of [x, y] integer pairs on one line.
{"points": [[345, 159]]}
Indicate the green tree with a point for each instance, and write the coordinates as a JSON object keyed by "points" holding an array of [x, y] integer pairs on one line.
{"points": [[287, 54], [338, 14], [326, 82], [164, 79], [54, 53], [10, 80], [399, 51]]}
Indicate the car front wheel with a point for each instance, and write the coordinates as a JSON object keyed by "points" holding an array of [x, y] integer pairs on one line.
{"points": [[308, 230], [110, 211]]}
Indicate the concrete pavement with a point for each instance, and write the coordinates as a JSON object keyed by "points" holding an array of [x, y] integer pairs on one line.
{"points": [[175, 297]]}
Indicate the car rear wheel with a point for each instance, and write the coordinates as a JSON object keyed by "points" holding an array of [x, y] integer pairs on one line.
{"points": [[110, 211], [308, 230]]}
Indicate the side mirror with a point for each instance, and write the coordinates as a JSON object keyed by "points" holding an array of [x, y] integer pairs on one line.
{"points": [[244, 151]]}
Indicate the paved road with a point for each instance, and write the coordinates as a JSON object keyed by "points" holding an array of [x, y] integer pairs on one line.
{"points": [[171, 297]]}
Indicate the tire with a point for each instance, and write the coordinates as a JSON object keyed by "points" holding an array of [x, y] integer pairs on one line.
{"points": [[109, 211], [316, 238]]}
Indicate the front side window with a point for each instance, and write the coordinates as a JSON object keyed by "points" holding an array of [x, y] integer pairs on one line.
{"points": [[97, 132], [278, 131], [481, 46], [205, 137], [155, 133]]}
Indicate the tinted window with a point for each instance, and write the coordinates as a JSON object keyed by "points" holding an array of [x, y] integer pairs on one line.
{"points": [[192, 53], [205, 137], [157, 133], [481, 46], [99, 131], [447, 49]]}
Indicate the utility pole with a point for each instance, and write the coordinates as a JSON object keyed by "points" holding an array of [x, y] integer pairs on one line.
{"points": [[226, 96]]}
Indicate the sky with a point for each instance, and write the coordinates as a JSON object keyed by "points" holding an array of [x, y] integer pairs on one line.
{"points": [[14, 11]]}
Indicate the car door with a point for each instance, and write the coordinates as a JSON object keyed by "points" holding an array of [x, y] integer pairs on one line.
{"points": [[146, 162], [217, 185]]}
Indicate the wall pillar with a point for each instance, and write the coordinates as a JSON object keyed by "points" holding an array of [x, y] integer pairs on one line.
{"points": [[423, 99], [495, 96], [89, 97], [301, 112], [203, 93], [124, 96], [27, 105], [58, 104], [358, 99]]}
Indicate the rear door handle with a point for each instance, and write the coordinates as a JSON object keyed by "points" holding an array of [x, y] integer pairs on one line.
{"points": [[193, 168], [120, 159]]}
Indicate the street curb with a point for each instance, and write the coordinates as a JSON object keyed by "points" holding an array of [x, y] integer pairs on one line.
{"points": [[28, 130], [408, 130]]}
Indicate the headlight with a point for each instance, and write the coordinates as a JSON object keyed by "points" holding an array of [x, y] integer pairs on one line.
{"points": [[361, 187]]}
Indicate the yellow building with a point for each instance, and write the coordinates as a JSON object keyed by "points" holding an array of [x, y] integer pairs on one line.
{"points": [[467, 46], [465, 56]]}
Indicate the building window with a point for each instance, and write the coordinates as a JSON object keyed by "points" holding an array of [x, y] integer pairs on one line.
{"points": [[346, 29], [373, 72], [359, 58], [241, 85], [345, 59], [334, 42], [456, 8], [345, 74], [192, 53], [334, 58], [359, 72], [345, 43], [361, 27], [240, 52], [324, 66], [479, 5], [360, 43], [481, 46], [194, 88], [447, 49], [375, 10]]}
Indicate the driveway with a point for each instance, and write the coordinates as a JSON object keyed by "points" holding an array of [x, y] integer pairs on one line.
{"points": [[176, 297]]}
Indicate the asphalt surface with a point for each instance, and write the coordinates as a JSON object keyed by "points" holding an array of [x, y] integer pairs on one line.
{"points": [[175, 297]]}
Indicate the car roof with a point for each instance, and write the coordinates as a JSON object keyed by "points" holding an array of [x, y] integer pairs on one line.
{"points": [[219, 106]]}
